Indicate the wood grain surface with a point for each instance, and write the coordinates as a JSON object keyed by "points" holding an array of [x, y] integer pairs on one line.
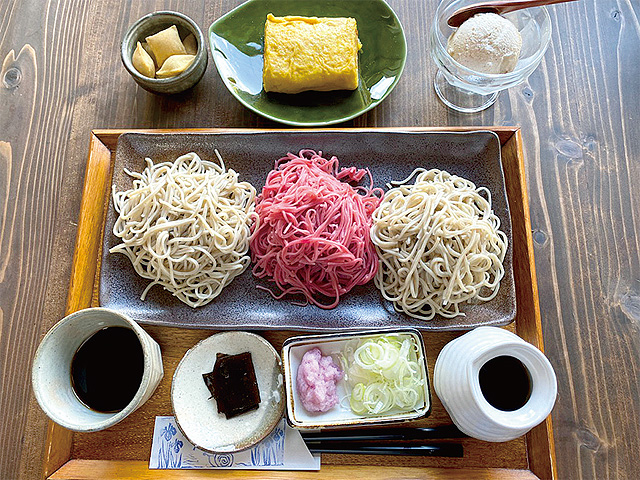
{"points": [[61, 77], [130, 439], [124, 470]]}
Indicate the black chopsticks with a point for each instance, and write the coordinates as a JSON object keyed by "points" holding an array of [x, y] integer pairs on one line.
{"points": [[397, 433], [433, 450], [367, 441]]}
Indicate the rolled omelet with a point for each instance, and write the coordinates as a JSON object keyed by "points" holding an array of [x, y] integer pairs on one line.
{"points": [[310, 53]]}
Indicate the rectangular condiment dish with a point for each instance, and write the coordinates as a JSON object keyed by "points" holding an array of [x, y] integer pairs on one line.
{"points": [[341, 415]]}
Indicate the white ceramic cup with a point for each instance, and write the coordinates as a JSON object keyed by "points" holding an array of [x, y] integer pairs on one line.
{"points": [[456, 382], [51, 373]]}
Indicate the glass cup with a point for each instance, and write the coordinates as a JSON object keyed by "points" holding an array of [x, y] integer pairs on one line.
{"points": [[468, 91]]}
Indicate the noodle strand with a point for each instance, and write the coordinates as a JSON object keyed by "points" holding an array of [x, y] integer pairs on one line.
{"points": [[439, 245], [313, 232], [185, 225]]}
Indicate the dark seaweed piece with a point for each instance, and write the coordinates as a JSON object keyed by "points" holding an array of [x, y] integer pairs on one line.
{"points": [[233, 384], [208, 381]]}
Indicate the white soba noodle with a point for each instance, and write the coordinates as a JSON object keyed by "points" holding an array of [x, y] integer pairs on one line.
{"points": [[439, 245], [185, 225]]}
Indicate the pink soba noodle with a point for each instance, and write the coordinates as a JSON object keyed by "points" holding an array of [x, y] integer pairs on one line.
{"points": [[312, 236]]}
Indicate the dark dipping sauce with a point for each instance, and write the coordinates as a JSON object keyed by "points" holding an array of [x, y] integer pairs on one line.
{"points": [[106, 371], [505, 383]]}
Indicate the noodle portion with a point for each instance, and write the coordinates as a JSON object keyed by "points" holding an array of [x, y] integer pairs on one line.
{"points": [[439, 245], [313, 231], [185, 225]]}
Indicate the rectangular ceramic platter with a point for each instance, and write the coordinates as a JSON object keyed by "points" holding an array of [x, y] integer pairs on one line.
{"points": [[389, 156], [341, 415]]}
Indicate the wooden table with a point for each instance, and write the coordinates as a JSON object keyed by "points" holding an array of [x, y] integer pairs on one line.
{"points": [[62, 76]]}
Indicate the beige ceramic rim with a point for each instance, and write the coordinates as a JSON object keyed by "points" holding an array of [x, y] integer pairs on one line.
{"points": [[281, 403]]}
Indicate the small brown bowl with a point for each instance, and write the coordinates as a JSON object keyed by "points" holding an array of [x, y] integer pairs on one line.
{"points": [[151, 24]]}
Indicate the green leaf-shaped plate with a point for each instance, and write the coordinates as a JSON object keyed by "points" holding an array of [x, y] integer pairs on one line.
{"points": [[237, 41]]}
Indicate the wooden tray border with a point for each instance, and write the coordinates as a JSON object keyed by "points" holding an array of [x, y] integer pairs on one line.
{"points": [[58, 463]]}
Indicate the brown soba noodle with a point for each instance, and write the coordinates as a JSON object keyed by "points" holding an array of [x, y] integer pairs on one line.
{"points": [[439, 245], [185, 225]]}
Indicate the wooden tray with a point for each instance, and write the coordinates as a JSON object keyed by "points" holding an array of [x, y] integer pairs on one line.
{"points": [[122, 452]]}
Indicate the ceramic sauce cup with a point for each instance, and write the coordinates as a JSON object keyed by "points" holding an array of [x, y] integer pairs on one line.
{"points": [[53, 380], [494, 385]]}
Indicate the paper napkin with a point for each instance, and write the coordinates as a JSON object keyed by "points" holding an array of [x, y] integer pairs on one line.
{"points": [[284, 449]]}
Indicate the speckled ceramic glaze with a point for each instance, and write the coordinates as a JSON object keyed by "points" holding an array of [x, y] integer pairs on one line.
{"points": [[237, 41], [151, 24], [197, 413], [456, 382], [51, 372], [388, 155]]}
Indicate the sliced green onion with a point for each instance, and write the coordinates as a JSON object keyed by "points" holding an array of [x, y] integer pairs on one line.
{"points": [[383, 374]]}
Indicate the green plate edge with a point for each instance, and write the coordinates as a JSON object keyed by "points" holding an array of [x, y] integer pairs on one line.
{"points": [[250, 17]]}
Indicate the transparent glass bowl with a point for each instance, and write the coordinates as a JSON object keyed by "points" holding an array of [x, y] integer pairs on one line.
{"points": [[468, 91]]}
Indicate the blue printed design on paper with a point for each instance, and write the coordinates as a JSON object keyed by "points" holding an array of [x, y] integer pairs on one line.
{"points": [[169, 454], [219, 459], [172, 453], [269, 452]]}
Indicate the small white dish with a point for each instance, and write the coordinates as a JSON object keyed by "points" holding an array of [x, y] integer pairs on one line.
{"points": [[341, 415], [197, 413]]}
